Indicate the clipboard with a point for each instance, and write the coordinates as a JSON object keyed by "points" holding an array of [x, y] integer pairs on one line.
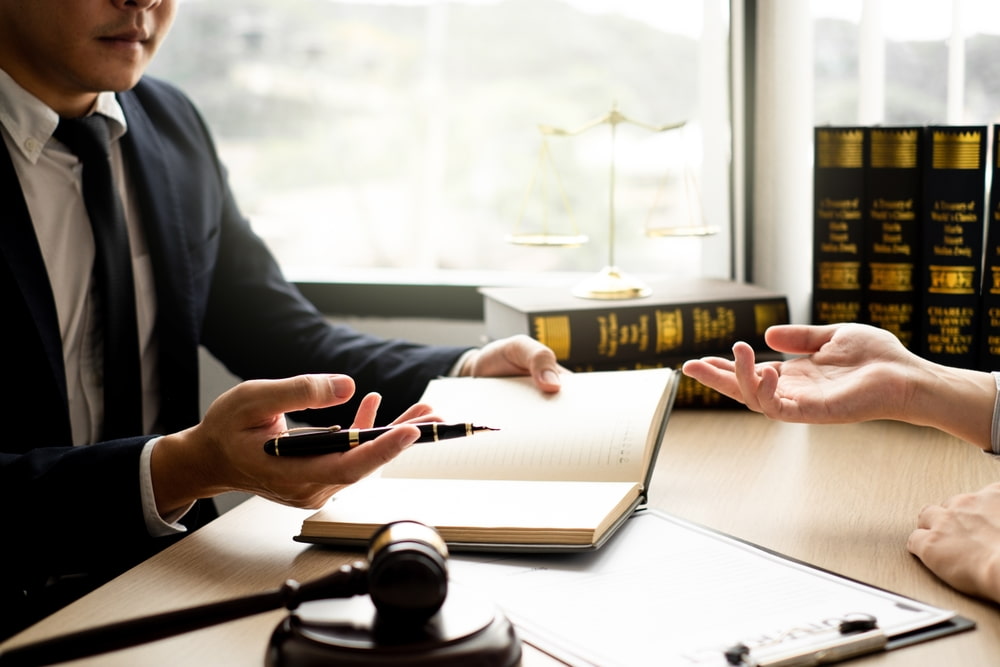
{"points": [[668, 591]]}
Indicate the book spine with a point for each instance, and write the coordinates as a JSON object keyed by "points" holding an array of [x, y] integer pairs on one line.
{"points": [[656, 332], [892, 231], [838, 212], [953, 219], [989, 355]]}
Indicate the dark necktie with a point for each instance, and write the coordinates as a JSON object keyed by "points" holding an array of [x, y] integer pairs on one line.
{"points": [[88, 138]]}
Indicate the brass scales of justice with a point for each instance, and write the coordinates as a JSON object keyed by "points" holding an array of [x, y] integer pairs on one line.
{"points": [[611, 282]]}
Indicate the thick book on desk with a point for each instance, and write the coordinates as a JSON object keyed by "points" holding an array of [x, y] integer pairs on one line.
{"points": [[688, 318], [562, 473]]}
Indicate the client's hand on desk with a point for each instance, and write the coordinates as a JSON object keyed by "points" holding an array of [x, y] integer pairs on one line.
{"points": [[225, 451], [959, 541], [846, 373]]}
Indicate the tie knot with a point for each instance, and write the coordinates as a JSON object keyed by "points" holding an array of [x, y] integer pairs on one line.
{"points": [[87, 137]]}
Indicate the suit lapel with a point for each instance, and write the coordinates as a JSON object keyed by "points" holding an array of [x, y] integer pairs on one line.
{"points": [[20, 251], [177, 331], [159, 205]]}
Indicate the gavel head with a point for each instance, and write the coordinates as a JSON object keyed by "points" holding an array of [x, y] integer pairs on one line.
{"points": [[407, 572]]}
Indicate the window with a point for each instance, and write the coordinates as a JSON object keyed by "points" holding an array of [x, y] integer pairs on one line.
{"points": [[866, 62], [404, 135], [901, 62]]}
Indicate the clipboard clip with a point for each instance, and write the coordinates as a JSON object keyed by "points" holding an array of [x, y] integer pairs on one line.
{"points": [[857, 634]]}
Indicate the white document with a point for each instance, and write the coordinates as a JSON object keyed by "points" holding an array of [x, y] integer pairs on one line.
{"points": [[667, 592]]}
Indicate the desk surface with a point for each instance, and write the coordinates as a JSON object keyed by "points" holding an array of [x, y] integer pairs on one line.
{"points": [[843, 498]]}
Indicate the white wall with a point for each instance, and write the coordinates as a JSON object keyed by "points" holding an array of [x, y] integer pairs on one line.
{"points": [[782, 205]]}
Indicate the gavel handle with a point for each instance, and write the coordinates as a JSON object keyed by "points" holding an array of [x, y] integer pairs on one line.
{"points": [[348, 581]]}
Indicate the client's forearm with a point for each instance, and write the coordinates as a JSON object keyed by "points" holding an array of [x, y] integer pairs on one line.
{"points": [[957, 401]]}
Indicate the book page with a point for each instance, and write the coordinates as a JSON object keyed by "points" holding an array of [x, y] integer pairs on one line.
{"points": [[493, 511], [689, 593], [599, 426]]}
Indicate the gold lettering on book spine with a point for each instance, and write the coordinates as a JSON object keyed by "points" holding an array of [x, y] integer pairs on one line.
{"points": [[554, 331], [669, 330], [607, 335], [768, 314], [995, 280], [956, 150], [952, 279], [637, 334], [712, 323], [838, 311], [840, 148]]}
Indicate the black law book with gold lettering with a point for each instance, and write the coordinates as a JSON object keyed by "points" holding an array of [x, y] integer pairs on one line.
{"points": [[953, 218], [838, 221], [892, 251], [989, 350], [681, 318]]}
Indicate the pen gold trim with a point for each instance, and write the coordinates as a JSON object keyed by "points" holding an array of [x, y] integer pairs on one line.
{"points": [[308, 441], [302, 430]]}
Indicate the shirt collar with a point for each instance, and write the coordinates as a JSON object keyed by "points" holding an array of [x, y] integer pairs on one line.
{"points": [[30, 122]]}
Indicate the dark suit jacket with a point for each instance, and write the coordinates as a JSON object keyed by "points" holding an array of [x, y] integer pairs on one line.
{"points": [[72, 508]]}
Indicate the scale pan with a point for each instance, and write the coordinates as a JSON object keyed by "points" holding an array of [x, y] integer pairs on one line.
{"points": [[682, 230]]}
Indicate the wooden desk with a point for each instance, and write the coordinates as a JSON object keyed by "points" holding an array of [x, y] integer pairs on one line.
{"points": [[844, 498]]}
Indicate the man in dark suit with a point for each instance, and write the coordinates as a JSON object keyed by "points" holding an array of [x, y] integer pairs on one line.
{"points": [[76, 500]]}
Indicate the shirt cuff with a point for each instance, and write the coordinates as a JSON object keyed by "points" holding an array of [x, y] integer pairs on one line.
{"points": [[468, 354], [156, 525], [995, 432]]}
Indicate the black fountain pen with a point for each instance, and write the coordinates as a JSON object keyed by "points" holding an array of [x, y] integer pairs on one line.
{"points": [[314, 441]]}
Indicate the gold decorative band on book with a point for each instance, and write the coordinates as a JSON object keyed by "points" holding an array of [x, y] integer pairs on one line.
{"points": [[895, 148], [840, 275], [956, 150], [840, 148], [891, 277], [952, 280]]}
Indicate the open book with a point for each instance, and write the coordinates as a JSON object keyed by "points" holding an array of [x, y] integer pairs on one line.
{"points": [[563, 471]]}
